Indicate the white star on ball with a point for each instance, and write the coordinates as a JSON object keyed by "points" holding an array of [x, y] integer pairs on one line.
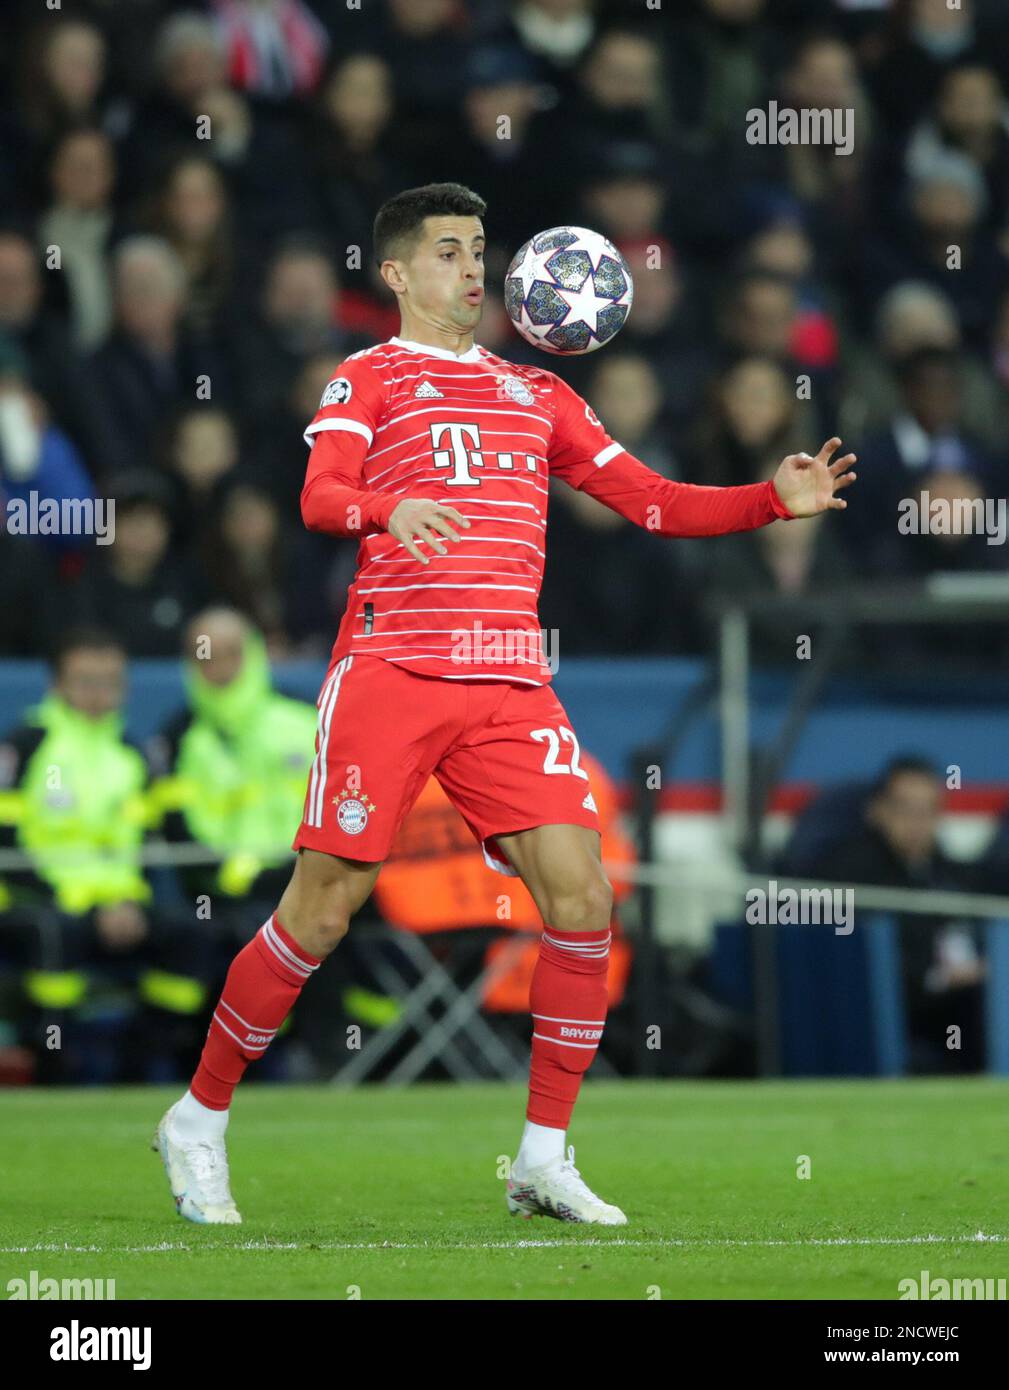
{"points": [[585, 304], [527, 270]]}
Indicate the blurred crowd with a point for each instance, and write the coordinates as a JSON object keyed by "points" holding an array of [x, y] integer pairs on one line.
{"points": [[186, 198]]}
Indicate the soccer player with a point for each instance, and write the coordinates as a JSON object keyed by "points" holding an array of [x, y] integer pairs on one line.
{"points": [[438, 454]]}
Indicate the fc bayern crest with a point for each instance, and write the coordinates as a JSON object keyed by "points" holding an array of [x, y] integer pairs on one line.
{"points": [[352, 811], [338, 392], [351, 816], [514, 389]]}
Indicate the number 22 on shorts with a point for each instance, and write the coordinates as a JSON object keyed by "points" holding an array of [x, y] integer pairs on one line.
{"points": [[550, 762]]}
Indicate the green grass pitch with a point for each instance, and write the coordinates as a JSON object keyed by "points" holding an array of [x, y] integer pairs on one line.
{"points": [[380, 1193]]}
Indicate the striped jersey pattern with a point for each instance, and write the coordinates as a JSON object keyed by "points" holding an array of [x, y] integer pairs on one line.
{"points": [[483, 436]]}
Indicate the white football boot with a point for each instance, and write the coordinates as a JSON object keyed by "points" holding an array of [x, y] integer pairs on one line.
{"points": [[198, 1176], [556, 1189]]}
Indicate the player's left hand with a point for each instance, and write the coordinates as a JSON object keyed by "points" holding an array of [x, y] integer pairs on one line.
{"points": [[810, 485]]}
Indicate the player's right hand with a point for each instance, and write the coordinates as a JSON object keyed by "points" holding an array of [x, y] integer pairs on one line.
{"points": [[420, 518]]}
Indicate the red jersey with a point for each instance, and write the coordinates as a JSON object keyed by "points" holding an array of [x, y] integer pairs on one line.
{"points": [[476, 433]]}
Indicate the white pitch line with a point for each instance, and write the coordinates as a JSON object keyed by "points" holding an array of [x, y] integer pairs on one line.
{"points": [[165, 1247]]}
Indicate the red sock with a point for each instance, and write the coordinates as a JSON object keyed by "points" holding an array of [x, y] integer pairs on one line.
{"points": [[263, 984], [568, 999]]}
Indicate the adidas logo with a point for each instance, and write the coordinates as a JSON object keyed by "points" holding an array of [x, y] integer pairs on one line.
{"points": [[426, 392], [589, 804]]}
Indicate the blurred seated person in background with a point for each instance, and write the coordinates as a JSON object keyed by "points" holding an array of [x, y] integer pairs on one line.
{"points": [[897, 846], [255, 560], [36, 457], [913, 316], [793, 562], [925, 434], [79, 918], [752, 415], [946, 526], [232, 768], [151, 358], [136, 586], [625, 391]]}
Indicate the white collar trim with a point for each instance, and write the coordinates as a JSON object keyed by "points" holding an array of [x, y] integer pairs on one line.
{"points": [[470, 355]]}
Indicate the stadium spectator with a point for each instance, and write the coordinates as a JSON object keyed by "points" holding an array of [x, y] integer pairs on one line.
{"points": [[556, 32], [970, 116], [275, 48], [720, 63], [190, 68], [193, 110], [194, 218], [624, 587], [258, 562], [666, 325], [922, 40], [754, 417], [36, 457], [62, 77], [79, 918], [54, 371], [786, 561], [29, 621], [497, 149], [202, 455], [625, 198], [618, 97], [135, 586], [231, 768], [297, 319], [914, 316], [79, 223], [761, 316], [947, 243], [356, 162], [626, 394], [923, 435], [149, 362], [897, 846], [822, 177], [275, 455], [425, 45], [783, 247]]}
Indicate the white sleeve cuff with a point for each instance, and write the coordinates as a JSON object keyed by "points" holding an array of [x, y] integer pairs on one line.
{"points": [[351, 427]]}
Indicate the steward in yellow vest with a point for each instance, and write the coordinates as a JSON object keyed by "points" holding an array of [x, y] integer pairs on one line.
{"points": [[232, 769], [77, 915]]}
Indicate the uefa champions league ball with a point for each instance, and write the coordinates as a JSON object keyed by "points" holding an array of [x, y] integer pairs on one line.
{"points": [[568, 291]]}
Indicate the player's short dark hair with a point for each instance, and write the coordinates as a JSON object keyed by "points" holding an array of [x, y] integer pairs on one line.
{"points": [[400, 220], [83, 638]]}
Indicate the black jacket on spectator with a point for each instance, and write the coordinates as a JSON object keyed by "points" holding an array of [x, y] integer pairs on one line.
{"points": [[867, 858], [136, 393]]}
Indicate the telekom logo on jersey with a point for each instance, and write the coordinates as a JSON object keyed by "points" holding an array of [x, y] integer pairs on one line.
{"points": [[464, 449]]}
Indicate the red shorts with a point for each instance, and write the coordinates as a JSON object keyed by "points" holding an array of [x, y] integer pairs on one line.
{"points": [[505, 755]]}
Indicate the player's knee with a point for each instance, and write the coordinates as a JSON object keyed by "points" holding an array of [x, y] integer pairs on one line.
{"points": [[586, 907], [318, 931], [317, 922], [328, 930]]}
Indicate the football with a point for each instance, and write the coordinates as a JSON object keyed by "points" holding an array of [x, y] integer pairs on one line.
{"points": [[568, 290]]}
